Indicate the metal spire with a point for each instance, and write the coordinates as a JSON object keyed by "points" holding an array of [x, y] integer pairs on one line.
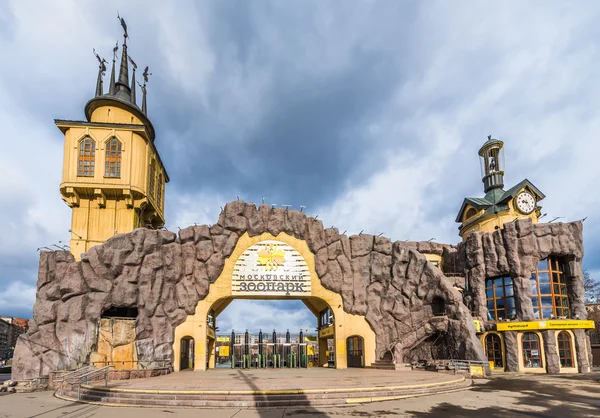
{"points": [[133, 88], [124, 69], [101, 71], [112, 89]]}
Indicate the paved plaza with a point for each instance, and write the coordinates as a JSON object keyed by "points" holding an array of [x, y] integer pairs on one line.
{"points": [[558, 396], [284, 379]]}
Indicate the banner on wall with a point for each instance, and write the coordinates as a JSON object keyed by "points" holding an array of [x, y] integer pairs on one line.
{"points": [[550, 324], [270, 268]]}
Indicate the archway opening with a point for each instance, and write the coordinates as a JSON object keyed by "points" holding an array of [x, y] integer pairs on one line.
{"points": [[271, 333], [186, 355]]}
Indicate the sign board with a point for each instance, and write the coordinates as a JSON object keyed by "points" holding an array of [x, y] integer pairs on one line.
{"points": [[223, 351], [550, 324], [210, 332], [327, 332], [270, 268], [477, 325]]}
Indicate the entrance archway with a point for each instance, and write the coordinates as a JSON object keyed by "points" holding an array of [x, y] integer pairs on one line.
{"points": [[355, 351], [186, 354], [276, 267]]}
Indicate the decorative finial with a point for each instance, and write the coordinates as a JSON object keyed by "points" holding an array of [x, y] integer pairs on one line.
{"points": [[101, 71], [115, 49], [489, 137], [101, 62], [133, 64], [146, 74], [124, 26]]}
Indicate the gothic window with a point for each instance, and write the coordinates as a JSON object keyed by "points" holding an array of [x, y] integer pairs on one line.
{"points": [[549, 290], [564, 349], [500, 299], [86, 159], [531, 350], [151, 179], [493, 349], [112, 165]]}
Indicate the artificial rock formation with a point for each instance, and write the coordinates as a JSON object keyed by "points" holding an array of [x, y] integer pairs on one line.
{"points": [[164, 275]]}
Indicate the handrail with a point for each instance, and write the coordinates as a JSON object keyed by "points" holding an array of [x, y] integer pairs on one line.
{"points": [[71, 373], [84, 378]]}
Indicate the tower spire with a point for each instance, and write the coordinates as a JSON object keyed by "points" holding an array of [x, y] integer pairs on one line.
{"points": [[112, 89], [133, 83], [124, 69], [101, 71]]}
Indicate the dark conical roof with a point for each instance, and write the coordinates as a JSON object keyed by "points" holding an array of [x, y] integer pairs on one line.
{"points": [[120, 94]]}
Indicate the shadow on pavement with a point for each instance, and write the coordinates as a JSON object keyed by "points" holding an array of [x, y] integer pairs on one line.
{"points": [[294, 411], [538, 398]]}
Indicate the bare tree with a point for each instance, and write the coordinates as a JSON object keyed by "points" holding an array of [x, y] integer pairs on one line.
{"points": [[591, 287]]}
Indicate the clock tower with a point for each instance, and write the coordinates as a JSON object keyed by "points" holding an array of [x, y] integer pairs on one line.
{"points": [[498, 206], [113, 178]]}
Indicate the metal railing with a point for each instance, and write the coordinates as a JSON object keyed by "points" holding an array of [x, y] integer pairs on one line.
{"points": [[84, 375], [141, 364]]}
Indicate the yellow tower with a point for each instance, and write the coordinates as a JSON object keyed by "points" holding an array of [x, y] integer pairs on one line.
{"points": [[498, 206], [113, 178]]}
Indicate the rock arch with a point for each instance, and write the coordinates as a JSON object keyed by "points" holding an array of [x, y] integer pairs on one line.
{"points": [[165, 275]]}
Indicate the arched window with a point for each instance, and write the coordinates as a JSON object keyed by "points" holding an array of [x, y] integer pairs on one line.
{"points": [[151, 179], [470, 213], [564, 349], [87, 155], [493, 349], [531, 350], [549, 290], [500, 299], [438, 306], [112, 165]]}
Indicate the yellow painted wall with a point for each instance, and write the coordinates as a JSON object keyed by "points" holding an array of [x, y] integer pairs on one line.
{"points": [[346, 325], [106, 206]]}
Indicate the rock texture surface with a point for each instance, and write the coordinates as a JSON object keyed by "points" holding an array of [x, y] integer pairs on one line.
{"points": [[164, 275]]}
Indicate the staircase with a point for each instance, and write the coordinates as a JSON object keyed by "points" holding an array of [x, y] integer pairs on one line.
{"points": [[269, 398], [385, 363]]}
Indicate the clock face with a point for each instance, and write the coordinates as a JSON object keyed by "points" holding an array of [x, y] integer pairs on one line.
{"points": [[525, 202]]}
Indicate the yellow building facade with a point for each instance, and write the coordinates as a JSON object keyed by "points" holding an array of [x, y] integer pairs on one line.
{"points": [[113, 178]]}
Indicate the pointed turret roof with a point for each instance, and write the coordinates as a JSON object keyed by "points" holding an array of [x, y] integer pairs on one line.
{"points": [[120, 94]]}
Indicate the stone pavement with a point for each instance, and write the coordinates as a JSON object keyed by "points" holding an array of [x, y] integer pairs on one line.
{"points": [[281, 379], [557, 396]]}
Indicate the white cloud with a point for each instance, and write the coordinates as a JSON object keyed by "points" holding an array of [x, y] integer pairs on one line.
{"points": [[266, 315], [18, 296]]}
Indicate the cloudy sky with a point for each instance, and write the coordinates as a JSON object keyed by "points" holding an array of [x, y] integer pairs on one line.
{"points": [[369, 113]]}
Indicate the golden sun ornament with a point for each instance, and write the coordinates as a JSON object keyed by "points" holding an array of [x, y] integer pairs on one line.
{"points": [[271, 257]]}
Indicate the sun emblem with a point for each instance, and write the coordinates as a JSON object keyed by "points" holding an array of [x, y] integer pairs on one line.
{"points": [[271, 257]]}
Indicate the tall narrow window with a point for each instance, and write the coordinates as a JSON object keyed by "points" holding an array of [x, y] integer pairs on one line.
{"points": [[493, 349], [564, 349], [112, 165], [549, 290], [500, 299], [86, 160], [159, 188], [531, 350], [151, 179]]}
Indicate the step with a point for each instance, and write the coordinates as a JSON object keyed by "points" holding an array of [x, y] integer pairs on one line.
{"points": [[264, 398]]}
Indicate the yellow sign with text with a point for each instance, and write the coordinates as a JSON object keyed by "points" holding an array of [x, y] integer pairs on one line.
{"points": [[326, 332], [551, 324]]}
